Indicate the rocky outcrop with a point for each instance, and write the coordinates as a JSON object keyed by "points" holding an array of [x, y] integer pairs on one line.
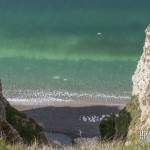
{"points": [[16, 127], [141, 83]]}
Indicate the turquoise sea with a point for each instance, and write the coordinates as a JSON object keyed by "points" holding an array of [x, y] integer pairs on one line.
{"points": [[75, 46]]}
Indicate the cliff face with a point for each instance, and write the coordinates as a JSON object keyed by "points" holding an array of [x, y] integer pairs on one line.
{"points": [[16, 127], [6, 129], [3, 104], [141, 83]]}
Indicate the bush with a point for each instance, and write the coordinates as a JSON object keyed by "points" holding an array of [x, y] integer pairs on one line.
{"points": [[118, 127], [26, 127], [107, 128]]}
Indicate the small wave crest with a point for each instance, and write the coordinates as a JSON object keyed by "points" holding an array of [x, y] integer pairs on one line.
{"points": [[43, 96]]}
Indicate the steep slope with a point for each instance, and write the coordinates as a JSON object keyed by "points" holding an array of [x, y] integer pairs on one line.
{"points": [[141, 83], [16, 126]]}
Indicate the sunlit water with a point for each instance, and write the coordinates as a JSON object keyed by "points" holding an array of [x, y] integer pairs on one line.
{"points": [[83, 47]]}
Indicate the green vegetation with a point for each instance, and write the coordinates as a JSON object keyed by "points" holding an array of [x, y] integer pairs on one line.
{"points": [[115, 131], [114, 145], [3, 145], [26, 127], [107, 127], [123, 126], [127, 124]]}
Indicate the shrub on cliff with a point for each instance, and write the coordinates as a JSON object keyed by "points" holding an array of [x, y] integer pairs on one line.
{"points": [[15, 126], [26, 127], [122, 125], [107, 127]]}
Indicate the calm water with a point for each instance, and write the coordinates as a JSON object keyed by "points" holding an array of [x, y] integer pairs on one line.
{"points": [[80, 46]]}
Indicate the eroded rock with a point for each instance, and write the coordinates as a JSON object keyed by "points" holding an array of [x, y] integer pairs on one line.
{"points": [[141, 83]]}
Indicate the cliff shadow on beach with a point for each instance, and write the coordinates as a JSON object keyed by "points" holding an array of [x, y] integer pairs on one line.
{"points": [[72, 121]]}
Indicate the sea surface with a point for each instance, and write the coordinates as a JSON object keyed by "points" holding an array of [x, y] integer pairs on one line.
{"points": [[60, 48]]}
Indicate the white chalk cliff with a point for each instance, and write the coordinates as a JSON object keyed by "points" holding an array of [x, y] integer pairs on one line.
{"points": [[141, 82]]}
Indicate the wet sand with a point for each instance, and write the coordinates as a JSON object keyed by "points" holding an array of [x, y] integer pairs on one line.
{"points": [[76, 119]]}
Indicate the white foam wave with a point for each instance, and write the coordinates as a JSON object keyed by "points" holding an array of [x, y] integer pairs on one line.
{"points": [[43, 96]]}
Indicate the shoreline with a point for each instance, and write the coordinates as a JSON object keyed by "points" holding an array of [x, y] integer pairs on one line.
{"points": [[28, 105], [83, 101], [73, 119]]}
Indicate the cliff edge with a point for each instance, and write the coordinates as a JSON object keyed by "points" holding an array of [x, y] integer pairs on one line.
{"points": [[141, 83]]}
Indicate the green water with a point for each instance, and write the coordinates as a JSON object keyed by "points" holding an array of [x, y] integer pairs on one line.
{"points": [[53, 44], [74, 76]]}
